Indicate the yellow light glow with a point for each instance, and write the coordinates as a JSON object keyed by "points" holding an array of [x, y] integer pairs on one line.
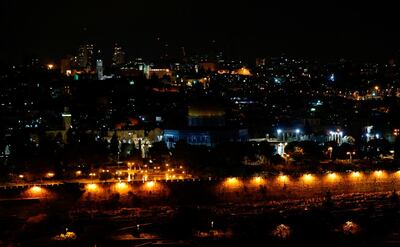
{"points": [[379, 174], [21, 176], [150, 184], [50, 66], [355, 174], [308, 178], [35, 190], [78, 173], [232, 181], [122, 185], [258, 180], [50, 174], [92, 187], [332, 177], [283, 178]]}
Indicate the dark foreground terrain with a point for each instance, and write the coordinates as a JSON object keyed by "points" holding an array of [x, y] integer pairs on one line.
{"points": [[354, 219]]}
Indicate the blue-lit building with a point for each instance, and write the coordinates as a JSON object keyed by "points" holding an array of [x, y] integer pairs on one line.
{"points": [[205, 126]]}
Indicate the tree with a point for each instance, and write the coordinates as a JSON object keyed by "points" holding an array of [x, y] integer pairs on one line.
{"points": [[114, 145], [158, 150]]}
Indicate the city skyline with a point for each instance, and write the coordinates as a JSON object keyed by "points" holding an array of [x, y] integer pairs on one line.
{"points": [[199, 123], [247, 31]]}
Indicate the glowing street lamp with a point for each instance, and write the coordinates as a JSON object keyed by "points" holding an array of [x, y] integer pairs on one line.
{"points": [[92, 187], [330, 150], [379, 174], [332, 177], [36, 190], [308, 178], [121, 187], [351, 156], [150, 184], [279, 132], [232, 182], [283, 179], [355, 175], [50, 175], [258, 180]]}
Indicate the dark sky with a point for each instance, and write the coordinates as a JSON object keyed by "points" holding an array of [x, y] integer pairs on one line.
{"points": [[51, 29]]}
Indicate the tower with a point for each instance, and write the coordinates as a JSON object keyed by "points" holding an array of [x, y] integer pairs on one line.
{"points": [[99, 69], [118, 57], [85, 56], [66, 118]]}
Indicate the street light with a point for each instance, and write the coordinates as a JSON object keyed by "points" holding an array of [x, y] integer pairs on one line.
{"points": [[297, 133], [278, 131], [330, 149], [351, 156], [332, 177]]}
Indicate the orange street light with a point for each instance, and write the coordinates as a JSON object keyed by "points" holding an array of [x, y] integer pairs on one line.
{"points": [[92, 187], [35, 190]]}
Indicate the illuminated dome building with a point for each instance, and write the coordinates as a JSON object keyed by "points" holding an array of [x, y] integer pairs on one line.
{"points": [[206, 116], [206, 125]]}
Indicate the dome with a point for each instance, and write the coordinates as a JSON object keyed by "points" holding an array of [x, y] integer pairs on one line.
{"points": [[205, 111]]}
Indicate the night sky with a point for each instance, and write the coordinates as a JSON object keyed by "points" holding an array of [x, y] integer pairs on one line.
{"points": [[52, 29]]}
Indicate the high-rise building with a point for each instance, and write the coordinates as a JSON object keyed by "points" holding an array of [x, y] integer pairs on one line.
{"points": [[66, 65], [85, 56], [99, 69], [118, 57]]}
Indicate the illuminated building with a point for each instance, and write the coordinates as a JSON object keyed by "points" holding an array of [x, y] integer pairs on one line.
{"points": [[136, 68], [99, 69], [118, 57], [205, 126], [208, 66], [66, 125], [261, 62], [85, 56], [157, 72], [65, 66]]}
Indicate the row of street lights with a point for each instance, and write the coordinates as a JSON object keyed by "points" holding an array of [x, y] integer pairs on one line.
{"points": [[309, 178]]}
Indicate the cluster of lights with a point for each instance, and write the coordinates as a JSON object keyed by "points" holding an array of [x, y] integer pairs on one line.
{"points": [[332, 177], [309, 179], [36, 191], [50, 175], [150, 184], [355, 175], [258, 180], [121, 187], [92, 187]]}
